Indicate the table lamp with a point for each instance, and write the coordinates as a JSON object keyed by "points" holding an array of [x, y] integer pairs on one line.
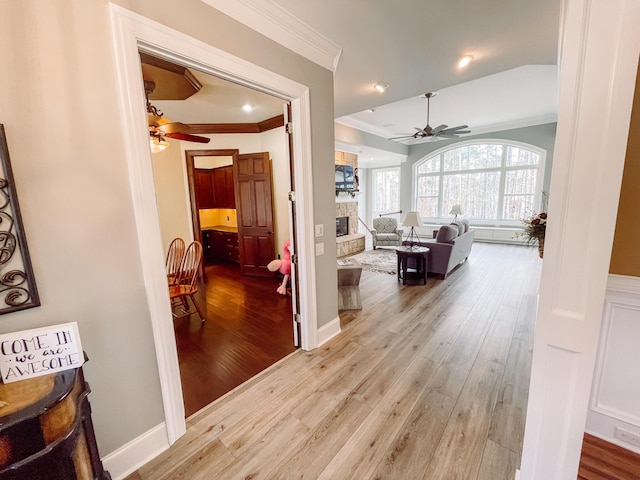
{"points": [[455, 210], [412, 220]]}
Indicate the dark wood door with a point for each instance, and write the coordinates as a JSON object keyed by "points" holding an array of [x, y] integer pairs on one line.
{"points": [[254, 205]]}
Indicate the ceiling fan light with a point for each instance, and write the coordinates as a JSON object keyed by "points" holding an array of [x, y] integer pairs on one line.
{"points": [[157, 145], [381, 87], [464, 61]]}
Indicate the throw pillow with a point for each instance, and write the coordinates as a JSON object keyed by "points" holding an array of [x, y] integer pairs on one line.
{"points": [[447, 234], [465, 223]]}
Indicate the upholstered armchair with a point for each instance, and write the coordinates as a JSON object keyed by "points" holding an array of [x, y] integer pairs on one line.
{"points": [[385, 232]]}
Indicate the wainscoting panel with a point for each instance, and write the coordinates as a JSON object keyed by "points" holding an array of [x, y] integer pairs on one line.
{"points": [[614, 412]]}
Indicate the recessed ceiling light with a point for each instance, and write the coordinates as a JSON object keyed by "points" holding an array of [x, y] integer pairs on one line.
{"points": [[247, 107], [464, 61], [381, 87]]}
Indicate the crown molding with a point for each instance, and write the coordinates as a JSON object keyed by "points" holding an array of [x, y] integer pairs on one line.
{"points": [[274, 22], [218, 128]]}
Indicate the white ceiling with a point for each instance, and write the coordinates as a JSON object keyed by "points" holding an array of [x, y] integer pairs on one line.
{"points": [[414, 44], [221, 101], [512, 81], [519, 97]]}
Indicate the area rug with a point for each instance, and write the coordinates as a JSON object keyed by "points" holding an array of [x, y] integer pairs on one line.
{"points": [[380, 261]]}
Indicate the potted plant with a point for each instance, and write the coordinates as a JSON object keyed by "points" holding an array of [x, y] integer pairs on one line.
{"points": [[535, 228]]}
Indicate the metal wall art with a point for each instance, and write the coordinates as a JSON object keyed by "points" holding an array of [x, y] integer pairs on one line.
{"points": [[17, 282]]}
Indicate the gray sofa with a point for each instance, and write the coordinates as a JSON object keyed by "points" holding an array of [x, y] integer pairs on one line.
{"points": [[450, 248]]}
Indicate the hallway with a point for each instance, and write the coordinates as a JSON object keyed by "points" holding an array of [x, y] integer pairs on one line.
{"points": [[426, 382]]}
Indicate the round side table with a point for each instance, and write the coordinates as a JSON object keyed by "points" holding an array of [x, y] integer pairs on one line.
{"points": [[412, 264]]}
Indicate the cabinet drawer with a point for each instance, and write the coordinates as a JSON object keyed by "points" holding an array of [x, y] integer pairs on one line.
{"points": [[224, 245]]}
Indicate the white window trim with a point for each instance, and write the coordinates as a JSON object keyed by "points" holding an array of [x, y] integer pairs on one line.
{"points": [[509, 143]]}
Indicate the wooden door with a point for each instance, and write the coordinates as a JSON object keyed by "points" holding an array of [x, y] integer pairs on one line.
{"points": [[254, 205]]}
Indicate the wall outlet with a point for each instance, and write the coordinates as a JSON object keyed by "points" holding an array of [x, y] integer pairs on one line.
{"points": [[319, 230], [319, 249], [626, 436]]}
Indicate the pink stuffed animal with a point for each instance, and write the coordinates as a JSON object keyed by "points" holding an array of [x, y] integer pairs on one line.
{"points": [[282, 265]]}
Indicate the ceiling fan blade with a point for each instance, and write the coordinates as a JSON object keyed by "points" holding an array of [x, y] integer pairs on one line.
{"points": [[458, 129], [424, 131], [187, 137], [439, 129], [174, 127]]}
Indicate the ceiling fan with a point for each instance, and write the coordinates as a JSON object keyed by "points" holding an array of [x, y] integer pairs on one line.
{"points": [[441, 131], [161, 127]]}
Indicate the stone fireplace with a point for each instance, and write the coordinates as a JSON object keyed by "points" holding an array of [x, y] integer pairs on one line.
{"points": [[351, 242]]}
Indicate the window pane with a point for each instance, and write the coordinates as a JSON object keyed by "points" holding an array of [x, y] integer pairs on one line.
{"points": [[477, 193], [520, 156], [472, 157], [430, 165], [520, 181], [428, 206], [387, 190], [428, 186], [517, 207]]}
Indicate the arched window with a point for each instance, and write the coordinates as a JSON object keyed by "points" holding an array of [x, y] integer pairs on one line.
{"points": [[495, 182]]}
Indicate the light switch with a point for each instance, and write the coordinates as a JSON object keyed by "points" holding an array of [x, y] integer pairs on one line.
{"points": [[319, 249], [319, 230]]}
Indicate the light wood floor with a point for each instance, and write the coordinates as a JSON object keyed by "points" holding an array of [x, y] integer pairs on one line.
{"points": [[426, 382]]}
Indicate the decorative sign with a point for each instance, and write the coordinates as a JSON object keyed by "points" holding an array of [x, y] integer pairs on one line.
{"points": [[41, 351]]}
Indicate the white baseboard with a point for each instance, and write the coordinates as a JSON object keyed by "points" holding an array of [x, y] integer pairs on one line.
{"points": [[137, 452], [517, 474], [328, 331]]}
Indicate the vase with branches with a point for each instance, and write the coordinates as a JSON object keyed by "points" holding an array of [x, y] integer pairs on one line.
{"points": [[535, 228]]}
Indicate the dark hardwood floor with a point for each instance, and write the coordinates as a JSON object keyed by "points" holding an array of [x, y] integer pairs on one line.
{"points": [[601, 460], [248, 327]]}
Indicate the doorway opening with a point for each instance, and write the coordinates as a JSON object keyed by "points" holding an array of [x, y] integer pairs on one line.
{"points": [[235, 203]]}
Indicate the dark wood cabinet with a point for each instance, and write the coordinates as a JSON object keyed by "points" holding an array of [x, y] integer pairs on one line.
{"points": [[215, 188], [204, 188], [220, 245], [46, 432]]}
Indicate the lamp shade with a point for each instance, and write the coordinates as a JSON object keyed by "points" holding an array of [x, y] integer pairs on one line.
{"points": [[412, 220], [455, 210], [157, 144]]}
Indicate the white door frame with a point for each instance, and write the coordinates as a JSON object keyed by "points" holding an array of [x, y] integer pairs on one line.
{"points": [[130, 33], [600, 45]]}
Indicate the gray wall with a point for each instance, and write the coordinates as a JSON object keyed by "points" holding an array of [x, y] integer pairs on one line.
{"points": [[58, 100]]}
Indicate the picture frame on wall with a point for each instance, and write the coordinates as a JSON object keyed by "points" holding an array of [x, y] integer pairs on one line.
{"points": [[18, 289]]}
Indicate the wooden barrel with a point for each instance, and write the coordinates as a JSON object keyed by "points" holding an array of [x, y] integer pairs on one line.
{"points": [[46, 431]]}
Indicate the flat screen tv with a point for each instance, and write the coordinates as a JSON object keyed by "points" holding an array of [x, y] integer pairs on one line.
{"points": [[344, 177]]}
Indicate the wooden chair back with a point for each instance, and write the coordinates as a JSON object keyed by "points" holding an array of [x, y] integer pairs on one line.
{"points": [[174, 258], [187, 276]]}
